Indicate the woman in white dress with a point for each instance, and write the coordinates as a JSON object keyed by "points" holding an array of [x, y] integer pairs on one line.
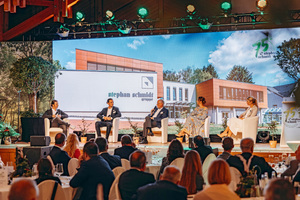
{"points": [[235, 124]]}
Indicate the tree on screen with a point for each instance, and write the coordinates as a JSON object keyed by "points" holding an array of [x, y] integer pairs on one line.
{"points": [[211, 69], [171, 76], [32, 75], [288, 58], [199, 75], [240, 74], [186, 74]]}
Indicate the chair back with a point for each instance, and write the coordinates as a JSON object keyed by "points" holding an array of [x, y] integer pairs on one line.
{"points": [[178, 162], [51, 161], [72, 166], [125, 164], [206, 127], [46, 189], [47, 126], [100, 194], [235, 178], [211, 157], [118, 170], [114, 192]]}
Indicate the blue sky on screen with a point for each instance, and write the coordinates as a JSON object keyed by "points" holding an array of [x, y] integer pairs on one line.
{"points": [[253, 49]]}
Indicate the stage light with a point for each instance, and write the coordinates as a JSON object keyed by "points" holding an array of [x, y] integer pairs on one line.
{"points": [[80, 16], [109, 15], [124, 28], [142, 12], [261, 5], [63, 31], [205, 24], [191, 9], [226, 6]]}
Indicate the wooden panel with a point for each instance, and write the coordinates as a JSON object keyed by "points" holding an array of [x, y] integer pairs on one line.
{"points": [[8, 155]]}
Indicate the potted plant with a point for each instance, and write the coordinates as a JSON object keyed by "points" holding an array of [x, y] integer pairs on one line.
{"points": [[273, 129], [136, 132], [6, 132], [179, 127], [84, 128]]}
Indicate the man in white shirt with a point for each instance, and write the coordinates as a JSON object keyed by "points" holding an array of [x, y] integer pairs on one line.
{"points": [[107, 115], [158, 113]]}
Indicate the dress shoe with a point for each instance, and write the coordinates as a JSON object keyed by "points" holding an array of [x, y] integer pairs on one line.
{"points": [[144, 142], [150, 133]]}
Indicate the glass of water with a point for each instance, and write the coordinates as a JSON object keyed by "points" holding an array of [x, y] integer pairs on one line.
{"points": [[59, 170]]}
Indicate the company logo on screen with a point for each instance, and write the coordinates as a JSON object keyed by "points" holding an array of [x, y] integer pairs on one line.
{"points": [[147, 82]]}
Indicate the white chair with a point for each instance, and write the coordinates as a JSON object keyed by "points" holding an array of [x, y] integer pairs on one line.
{"points": [[113, 136], [72, 166], [235, 178], [51, 161], [178, 162], [125, 164], [163, 138], [114, 192], [118, 170], [211, 157], [207, 126], [46, 189], [54, 130], [249, 129], [100, 194]]}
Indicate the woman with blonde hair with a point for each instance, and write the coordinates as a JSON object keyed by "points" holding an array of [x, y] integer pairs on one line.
{"points": [[191, 177], [235, 124], [72, 146], [218, 178]]}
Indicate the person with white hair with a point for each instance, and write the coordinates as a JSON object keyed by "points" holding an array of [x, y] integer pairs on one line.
{"points": [[23, 189], [166, 188]]}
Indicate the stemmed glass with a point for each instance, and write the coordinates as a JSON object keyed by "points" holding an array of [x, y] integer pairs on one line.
{"points": [[59, 170]]}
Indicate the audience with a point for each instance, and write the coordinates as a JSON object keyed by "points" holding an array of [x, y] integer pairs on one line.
{"points": [[218, 178], [175, 150], [72, 146], [237, 161], [45, 170], [295, 168], [23, 189], [202, 149], [166, 188], [58, 155], [134, 178], [191, 177], [94, 170], [126, 149], [279, 189], [227, 144], [113, 160]]}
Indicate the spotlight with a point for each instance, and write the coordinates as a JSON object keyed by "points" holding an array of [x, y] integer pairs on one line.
{"points": [[109, 15], [261, 5], [124, 28], [142, 12], [204, 24], [63, 31], [80, 16], [191, 9], [226, 6]]}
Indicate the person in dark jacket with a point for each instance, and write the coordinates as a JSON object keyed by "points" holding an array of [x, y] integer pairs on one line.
{"points": [[126, 149], [202, 149], [45, 170], [227, 144], [93, 170]]}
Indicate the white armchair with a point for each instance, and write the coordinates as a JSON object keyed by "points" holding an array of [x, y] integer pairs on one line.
{"points": [[249, 129], [54, 130], [206, 126], [163, 138], [113, 136]]}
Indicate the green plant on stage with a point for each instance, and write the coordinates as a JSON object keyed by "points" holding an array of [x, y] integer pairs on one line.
{"points": [[6, 130], [224, 124], [134, 127], [84, 127], [29, 113], [22, 165], [273, 129], [179, 126]]}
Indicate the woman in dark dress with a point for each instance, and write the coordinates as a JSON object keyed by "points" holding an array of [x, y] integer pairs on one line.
{"points": [[45, 170]]}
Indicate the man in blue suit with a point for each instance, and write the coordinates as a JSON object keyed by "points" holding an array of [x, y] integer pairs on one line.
{"points": [[158, 113], [107, 116], [93, 170]]}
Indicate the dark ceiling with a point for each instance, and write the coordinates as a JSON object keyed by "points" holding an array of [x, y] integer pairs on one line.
{"points": [[165, 16]]}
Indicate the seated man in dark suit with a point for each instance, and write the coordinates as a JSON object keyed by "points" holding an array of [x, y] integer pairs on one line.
{"points": [[202, 149], [166, 188], [158, 113], [93, 170], [126, 149], [237, 161], [112, 160], [227, 144], [58, 155], [107, 116], [56, 117], [134, 178]]}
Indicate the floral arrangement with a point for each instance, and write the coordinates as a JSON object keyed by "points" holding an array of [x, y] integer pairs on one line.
{"points": [[22, 165], [273, 128], [134, 127], [246, 187], [6, 130], [83, 127]]}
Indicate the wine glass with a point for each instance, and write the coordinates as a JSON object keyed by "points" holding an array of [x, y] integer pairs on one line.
{"points": [[59, 170], [34, 170]]}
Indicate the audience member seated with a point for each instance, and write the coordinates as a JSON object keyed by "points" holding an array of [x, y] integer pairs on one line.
{"points": [[297, 176], [134, 178], [202, 149], [72, 146], [227, 144], [112, 160], [126, 149], [56, 117], [279, 189], [23, 189], [58, 155], [191, 177], [292, 168], [45, 170], [93, 170], [241, 161], [218, 178], [166, 188], [175, 150]]}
